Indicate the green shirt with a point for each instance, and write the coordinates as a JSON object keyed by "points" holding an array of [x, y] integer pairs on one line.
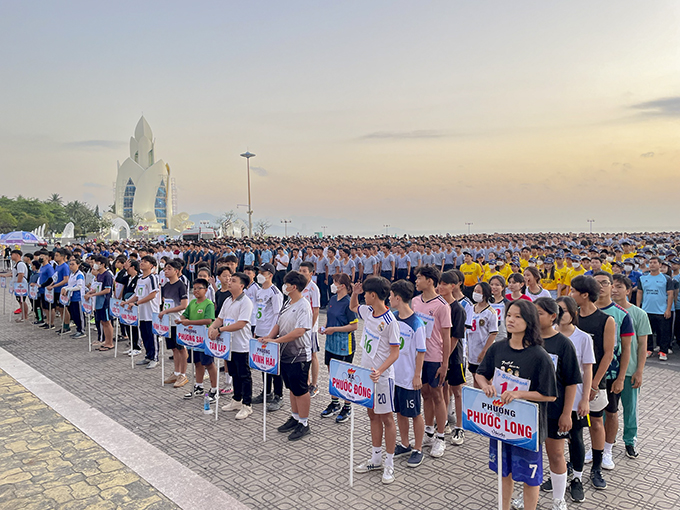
{"points": [[198, 311], [642, 327]]}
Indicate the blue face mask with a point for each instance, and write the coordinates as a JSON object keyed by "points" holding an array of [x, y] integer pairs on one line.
{"points": [[662, 257]]}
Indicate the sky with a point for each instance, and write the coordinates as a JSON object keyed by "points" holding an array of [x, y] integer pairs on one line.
{"points": [[424, 116]]}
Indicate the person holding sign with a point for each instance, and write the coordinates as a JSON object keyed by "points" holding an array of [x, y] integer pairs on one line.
{"points": [[102, 305], [45, 279], [435, 313], [407, 371], [234, 318], [174, 301], [380, 343], [292, 330], [519, 368], [59, 281], [20, 275], [75, 287], [36, 302], [148, 298], [200, 312]]}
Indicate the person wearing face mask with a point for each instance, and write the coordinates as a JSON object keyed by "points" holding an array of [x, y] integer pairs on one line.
{"points": [[269, 301], [481, 326], [549, 277], [633, 275], [251, 291], [576, 270]]}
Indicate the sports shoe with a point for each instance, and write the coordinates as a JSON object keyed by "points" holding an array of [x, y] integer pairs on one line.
{"points": [[171, 380], [547, 485], [234, 405], [260, 398], [332, 409], [663, 356], [133, 352], [428, 440], [447, 429], [570, 469], [368, 466], [344, 415], [212, 396], [79, 334], [415, 460], [597, 480], [517, 503], [559, 504], [275, 404], [400, 451], [631, 452], [52, 327], [17, 311], [608, 462], [438, 448], [458, 437], [196, 392], [45, 326], [299, 432], [289, 425], [227, 390], [589, 457], [576, 491], [388, 475], [144, 361], [181, 381], [313, 390], [244, 412], [38, 323], [649, 354], [670, 351], [152, 364]]}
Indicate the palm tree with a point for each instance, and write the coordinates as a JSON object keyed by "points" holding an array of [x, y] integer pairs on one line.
{"points": [[55, 198]]}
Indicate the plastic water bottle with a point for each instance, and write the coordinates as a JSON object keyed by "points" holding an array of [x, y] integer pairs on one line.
{"points": [[206, 404]]}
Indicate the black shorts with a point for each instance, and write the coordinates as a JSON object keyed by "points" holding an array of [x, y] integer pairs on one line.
{"points": [[613, 398], [406, 402], [340, 357], [456, 374], [102, 315], [44, 303], [199, 357], [295, 377], [472, 368], [553, 427], [429, 374], [171, 341], [315, 342]]}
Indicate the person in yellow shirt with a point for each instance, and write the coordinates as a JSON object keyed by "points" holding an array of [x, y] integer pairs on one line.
{"points": [[550, 278], [525, 254], [491, 270], [628, 251], [472, 272], [562, 268], [576, 270]]}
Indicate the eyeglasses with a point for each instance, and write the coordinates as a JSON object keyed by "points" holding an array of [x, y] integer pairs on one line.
{"points": [[603, 283], [199, 288]]}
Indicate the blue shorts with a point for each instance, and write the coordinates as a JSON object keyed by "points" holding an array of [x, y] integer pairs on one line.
{"points": [[524, 465], [429, 375], [406, 402], [199, 357], [102, 315]]}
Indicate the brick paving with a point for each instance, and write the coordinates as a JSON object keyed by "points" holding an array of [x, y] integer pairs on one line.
{"points": [[313, 473]]}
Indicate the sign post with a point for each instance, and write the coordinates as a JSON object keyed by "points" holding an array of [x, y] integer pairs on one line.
{"points": [[515, 423], [265, 357], [161, 327], [353, 384], [21, 291], [115, 313], [130, 317], [49, 297], [86, 305], [3, 284], [220, 349]]}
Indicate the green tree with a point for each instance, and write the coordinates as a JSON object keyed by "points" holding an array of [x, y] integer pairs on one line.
{"points": [[7, 221]]}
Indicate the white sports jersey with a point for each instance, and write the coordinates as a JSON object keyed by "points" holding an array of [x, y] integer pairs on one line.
{"points": [[312, 294], [269, 302], [411, 342], [478, 327], [378, 334], [145, 286]]}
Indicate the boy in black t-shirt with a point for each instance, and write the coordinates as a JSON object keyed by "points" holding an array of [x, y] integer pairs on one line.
{"points": [[174, 300]]}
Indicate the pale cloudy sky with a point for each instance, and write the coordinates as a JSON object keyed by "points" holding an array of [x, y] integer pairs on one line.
{"points": [[526, 115]]}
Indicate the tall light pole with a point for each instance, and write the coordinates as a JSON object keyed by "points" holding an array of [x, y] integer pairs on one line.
{"points": [[285, 226], [249, 155], [387, 227], [469, 224], [324, 227], [591, 225]]}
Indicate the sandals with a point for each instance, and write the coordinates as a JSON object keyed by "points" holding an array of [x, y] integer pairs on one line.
{"points": [[103, 348]]}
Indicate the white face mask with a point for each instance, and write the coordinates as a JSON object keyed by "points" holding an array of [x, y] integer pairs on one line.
{"points": [[628, 268], [477, 297], [161, 265], [285, 290], [576, 265], [610, 259], [261, 279], [532, 264], [95, 267], [334, 288]]}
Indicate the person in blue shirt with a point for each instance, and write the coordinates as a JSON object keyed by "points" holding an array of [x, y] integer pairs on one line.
{"points": [[655, 296], [59, 281], [44, 280]]}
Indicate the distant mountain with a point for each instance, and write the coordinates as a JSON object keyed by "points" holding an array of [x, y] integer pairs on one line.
{"points": [[204, 217]]}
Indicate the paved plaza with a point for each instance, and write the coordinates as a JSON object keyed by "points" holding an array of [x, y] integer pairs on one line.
{"points": [[231, 458]]}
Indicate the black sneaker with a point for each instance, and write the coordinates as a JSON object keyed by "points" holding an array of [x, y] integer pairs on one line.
{"points": [[38, 323], [597, 480], [631, 452], [547, 485], [289, 425], [299, 432], [275, 404], [400, 451], [260, 398], [212, 395], [45, 326], [576, 491], [344, 415], [196, 392], [332, 409]]}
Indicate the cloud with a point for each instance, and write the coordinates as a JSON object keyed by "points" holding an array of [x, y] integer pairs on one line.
{"points": [[403, 135], [93, 185], [647, 155], [94, 144], [663, 107], [259, 171]]}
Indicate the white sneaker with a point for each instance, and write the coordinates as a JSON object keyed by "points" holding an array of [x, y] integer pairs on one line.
{"points": [[517, 503], [428, 440], [447, 429], [244, 412], [589, 457], [367, 466], [388, 475], [152, 364], [559, 504], [438, 448], [608, 462], [232, 406], [134, 353], [458, 437]]}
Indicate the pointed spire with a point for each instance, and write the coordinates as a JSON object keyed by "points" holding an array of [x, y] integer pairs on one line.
{"points": [[143, 129]]}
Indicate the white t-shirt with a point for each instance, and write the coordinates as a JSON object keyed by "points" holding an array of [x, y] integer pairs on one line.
{"points": [[583, 343], [145, 286], [412, 340], [378, 334], [313, 296], [534, 297], [282, 262], [234, 311], [268, 305], [478, 327], [251, 291], [17, 269], [294, 316]]}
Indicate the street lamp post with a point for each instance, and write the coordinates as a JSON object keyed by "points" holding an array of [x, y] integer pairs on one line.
{"points": [[324, 227], [591, 225], [469, 224], [285, 226], [387, 228], [249, 155]]}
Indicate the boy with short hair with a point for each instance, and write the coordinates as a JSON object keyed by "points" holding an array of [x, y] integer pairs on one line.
{"points": [[175, 300]]}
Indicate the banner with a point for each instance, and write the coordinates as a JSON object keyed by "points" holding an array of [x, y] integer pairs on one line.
{"points": [[63, 299], [515, 423], [3, 282], [49, 295], [21, 289], [115, 308], [129, 317], [220, 347], [86, 305], [351, 382], [265, 356], [33, 291], [192, 337], [161, 326]]}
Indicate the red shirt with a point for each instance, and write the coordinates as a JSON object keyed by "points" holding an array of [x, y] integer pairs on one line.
{"points": [[523, 296]]}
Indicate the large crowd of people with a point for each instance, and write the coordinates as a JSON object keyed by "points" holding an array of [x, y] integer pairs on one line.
{"points": [[570, 319]]}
